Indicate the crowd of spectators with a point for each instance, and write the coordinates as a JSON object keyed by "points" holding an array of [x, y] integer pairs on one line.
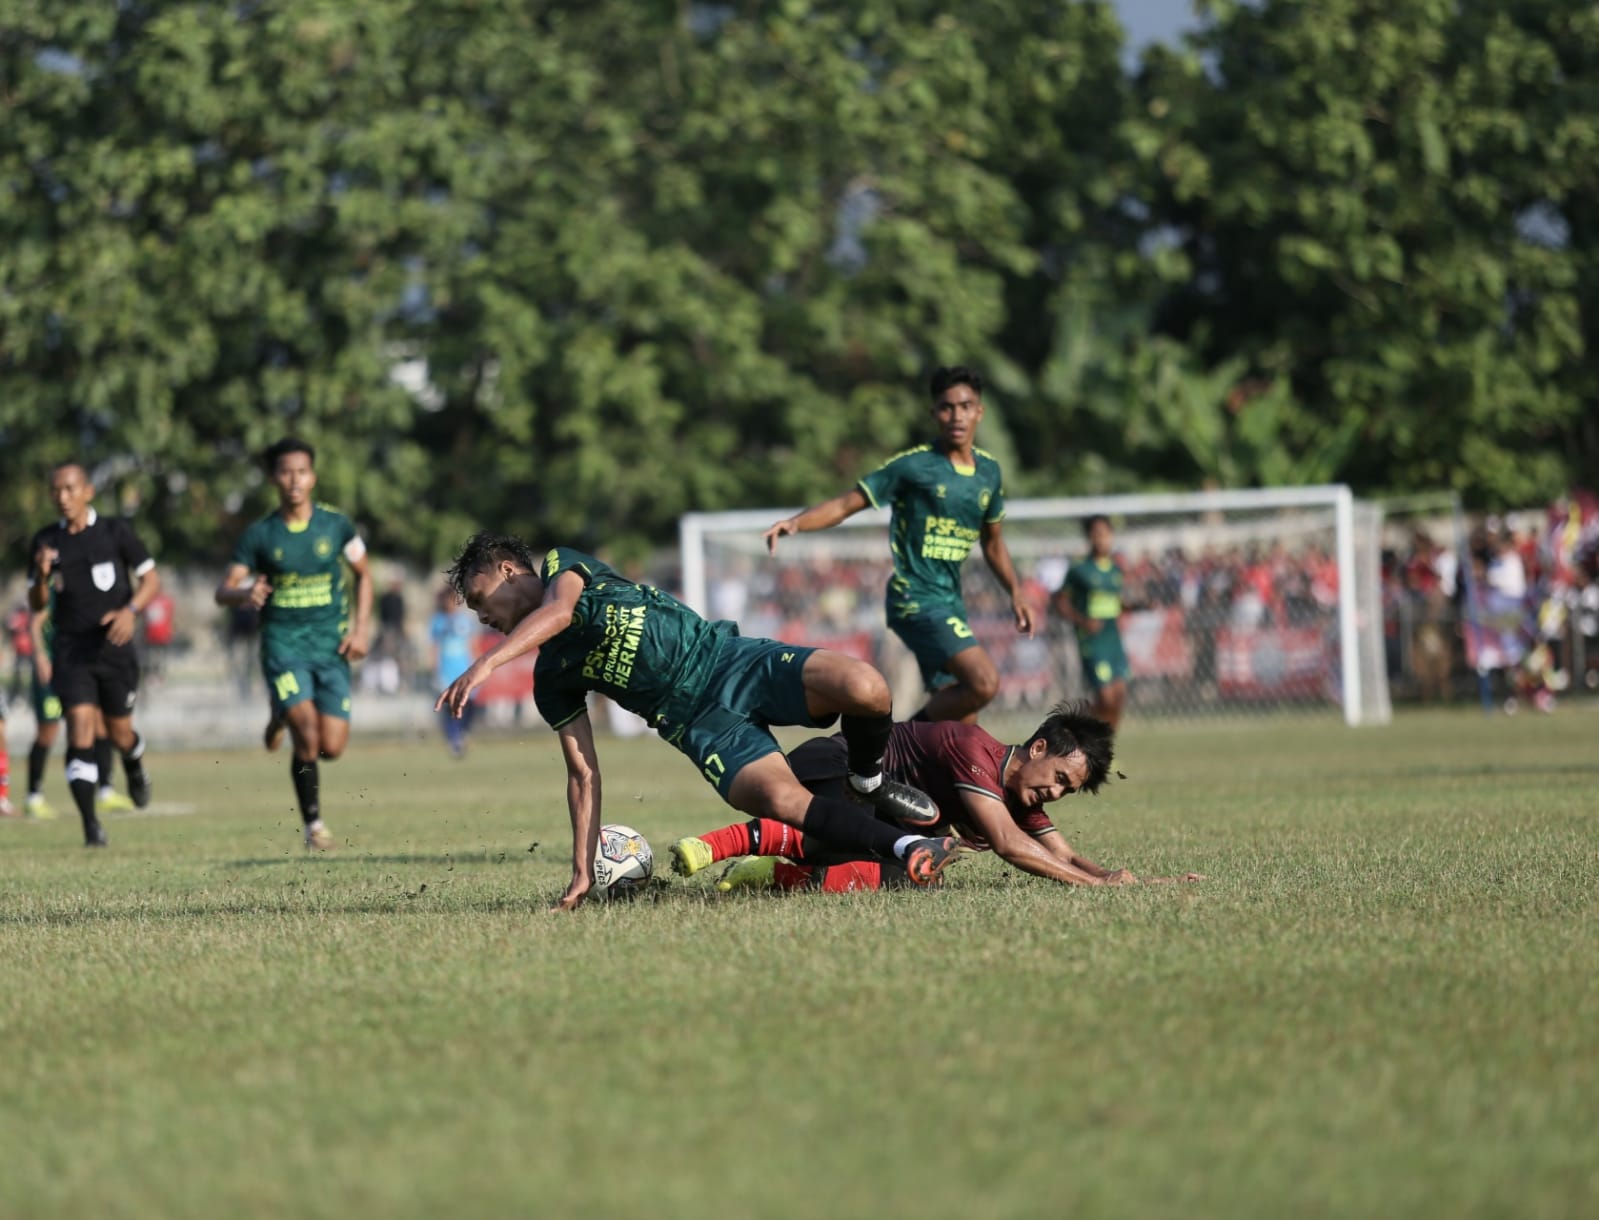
{"points": [[1509, 611]]}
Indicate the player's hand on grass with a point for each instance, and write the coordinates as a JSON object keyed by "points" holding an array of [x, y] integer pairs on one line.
{"points": [[119, 625], [1121, 876], [575, 893], [459, 693], [782, 529], [354, 646]]}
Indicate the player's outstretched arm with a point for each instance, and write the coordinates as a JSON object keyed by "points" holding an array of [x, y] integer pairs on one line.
{"points": [[997, 555], [552, 617], [1058, 847], [583, 803], [817, 517], [1018, 848]]}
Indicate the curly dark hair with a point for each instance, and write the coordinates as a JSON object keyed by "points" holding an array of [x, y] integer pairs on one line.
{"points": [[946, 378], [275, 452], [1067, 728], [482, 551]]}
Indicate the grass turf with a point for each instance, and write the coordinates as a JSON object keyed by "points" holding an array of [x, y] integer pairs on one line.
{"points": [[1382, 1001]]}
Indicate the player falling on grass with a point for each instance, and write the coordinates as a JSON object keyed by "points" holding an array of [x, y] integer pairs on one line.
{"points": [[95, 576], [944, 496], [47, 727], [990, 795], [706, 690], [297, 555], [1090, 598]]}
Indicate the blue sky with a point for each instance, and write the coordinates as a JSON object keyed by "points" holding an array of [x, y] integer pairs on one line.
{"points": [[1154, 20]]}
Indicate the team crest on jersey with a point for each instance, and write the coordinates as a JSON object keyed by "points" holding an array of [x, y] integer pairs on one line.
{"points": [[104, 576], [323, 548], [982, 499], [277, 553], [940, 491]]}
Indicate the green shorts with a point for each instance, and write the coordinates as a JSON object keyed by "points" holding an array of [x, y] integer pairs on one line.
{"points": [[934, 634], [291, 680], [46, 707], [754, 683], [1103, 663]]}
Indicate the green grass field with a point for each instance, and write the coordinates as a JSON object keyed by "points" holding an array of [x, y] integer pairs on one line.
{"points": [[1382, 1002]]}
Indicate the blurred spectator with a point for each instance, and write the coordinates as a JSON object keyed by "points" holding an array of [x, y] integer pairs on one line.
{"points": [[21, 649], [450, 633], [158, 631], [388, 665], [242, 624], [1430, 646]]}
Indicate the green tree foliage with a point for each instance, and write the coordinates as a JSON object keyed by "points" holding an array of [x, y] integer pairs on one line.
{"points": [[577, 269], [1382, 207]]}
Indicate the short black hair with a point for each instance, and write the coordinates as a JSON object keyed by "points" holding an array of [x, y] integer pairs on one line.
{"points": [[482, 551], [1069, 728], [1090, 522], [82, 466], [946, 378], [278, 450]]}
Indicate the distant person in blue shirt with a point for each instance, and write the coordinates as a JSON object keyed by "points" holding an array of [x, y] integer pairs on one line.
{"points": [[451, 631]]}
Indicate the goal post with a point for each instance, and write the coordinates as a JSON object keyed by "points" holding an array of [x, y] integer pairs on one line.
{"points": [[1240, 602]]}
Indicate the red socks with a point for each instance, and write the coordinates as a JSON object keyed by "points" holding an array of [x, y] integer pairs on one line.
{"points": [[730, 842], [835, 878]]}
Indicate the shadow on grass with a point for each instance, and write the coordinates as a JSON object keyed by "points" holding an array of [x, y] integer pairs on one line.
{"points": [[372, 904], [446, 858], [534, 904]]}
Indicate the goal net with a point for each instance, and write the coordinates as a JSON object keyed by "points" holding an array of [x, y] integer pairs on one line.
{"points": [[1241, 602]]}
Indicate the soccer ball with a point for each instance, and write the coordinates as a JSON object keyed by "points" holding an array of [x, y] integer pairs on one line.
{"points": [[623, 863]]}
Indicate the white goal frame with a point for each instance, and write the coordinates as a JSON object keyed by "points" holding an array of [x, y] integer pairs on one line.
{"points": [[1363, 680]]}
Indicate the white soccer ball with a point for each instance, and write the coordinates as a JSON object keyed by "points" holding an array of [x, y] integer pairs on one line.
{"points": [[623, 863]]}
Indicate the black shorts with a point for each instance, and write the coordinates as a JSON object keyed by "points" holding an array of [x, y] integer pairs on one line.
{"points": [[106, 675]]}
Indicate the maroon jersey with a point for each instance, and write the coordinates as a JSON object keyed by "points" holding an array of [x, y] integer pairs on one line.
{"points": [[945, 759]]}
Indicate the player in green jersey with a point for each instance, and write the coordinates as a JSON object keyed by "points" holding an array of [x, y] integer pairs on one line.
{"points": [[1091, 599], [944, 497], [297, 556], [707, 691]]}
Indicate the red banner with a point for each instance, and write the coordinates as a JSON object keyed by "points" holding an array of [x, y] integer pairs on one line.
{"points": [[1156, 644], [1272, 663]]}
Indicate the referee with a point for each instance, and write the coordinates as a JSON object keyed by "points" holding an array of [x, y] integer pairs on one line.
{"points": [[103, 577]]}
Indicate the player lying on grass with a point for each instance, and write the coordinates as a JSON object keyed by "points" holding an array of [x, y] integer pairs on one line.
{"points": [[990, 795], [702, 687]]}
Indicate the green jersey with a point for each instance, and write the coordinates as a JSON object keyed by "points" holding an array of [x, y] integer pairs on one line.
{"points": [[938, 511], [632, 643], [1094, 587], [308, 613]]}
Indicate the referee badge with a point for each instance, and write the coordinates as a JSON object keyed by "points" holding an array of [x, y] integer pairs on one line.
{"points": [[104, 576]]}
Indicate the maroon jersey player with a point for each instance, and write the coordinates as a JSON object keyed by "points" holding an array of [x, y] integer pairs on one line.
{"points": [[989, 794]]}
